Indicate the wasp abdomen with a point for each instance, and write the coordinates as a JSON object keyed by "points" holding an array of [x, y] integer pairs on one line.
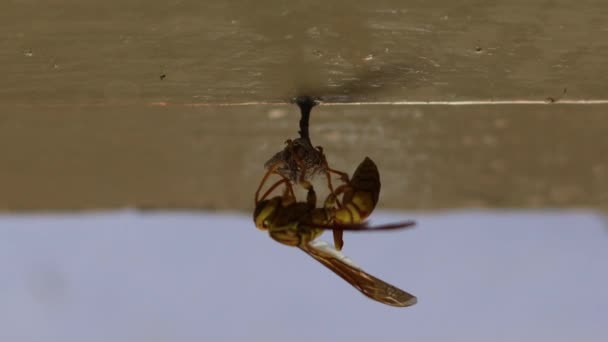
{"points": [[362, 196], [367, 179]]}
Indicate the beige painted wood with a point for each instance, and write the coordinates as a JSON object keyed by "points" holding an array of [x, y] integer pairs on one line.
{"points": [[119, 103], [212, 157]]}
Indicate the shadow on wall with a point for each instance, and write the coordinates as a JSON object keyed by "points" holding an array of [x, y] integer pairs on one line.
{"points": [[329, 51]]}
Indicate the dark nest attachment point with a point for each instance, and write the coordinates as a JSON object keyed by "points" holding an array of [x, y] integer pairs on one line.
{"points": [[300, 160]]}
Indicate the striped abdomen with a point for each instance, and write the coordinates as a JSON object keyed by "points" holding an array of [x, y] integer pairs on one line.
{"points": [[361, 195]]}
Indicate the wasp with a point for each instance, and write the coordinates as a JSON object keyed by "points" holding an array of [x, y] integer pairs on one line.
{"points": [[298, 224], [359, 197], [299, 162]]}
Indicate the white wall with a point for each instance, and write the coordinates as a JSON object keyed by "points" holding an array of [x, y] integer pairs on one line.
{"points": [[127, 276]]}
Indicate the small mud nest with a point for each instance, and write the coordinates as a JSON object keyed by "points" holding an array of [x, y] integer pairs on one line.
{"points": [[298, 161]]}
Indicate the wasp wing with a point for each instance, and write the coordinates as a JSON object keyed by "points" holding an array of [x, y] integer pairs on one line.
{"points": [[369, 285]]}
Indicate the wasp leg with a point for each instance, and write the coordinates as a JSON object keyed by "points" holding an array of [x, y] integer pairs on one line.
{"points": [[343, 175], [338, 239], [288, 198], [331, 189], [311, 195], [329, 202], [288, 192], [326, 165], [270, 171], [341, 189], [332, 198]]}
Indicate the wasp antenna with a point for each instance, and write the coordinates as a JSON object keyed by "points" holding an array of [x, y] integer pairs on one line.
{"points": [[365, 226], [390, 226]]}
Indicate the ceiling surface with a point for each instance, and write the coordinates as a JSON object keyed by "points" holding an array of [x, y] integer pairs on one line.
{"points": [[178, 104]]}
